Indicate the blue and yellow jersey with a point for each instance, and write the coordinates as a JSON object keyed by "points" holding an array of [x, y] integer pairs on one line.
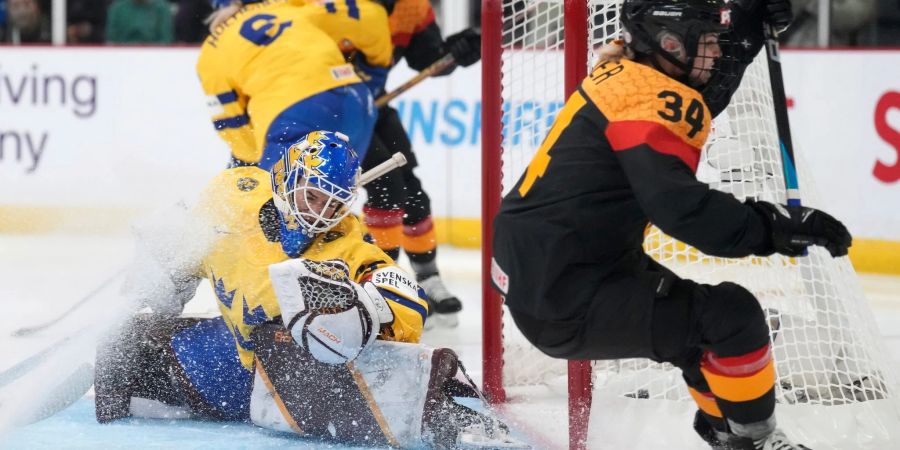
{"points": [[355, 25], [265, 58], [239, 203]]}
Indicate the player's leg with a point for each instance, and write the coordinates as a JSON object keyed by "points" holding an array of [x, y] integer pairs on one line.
{"points": [[384, 202], [725, 357], [393, 394], [172, 367], [347, 109], [419, 239]]}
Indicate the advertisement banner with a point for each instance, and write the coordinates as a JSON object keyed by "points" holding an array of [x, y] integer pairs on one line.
{"points": [[127, 128]]}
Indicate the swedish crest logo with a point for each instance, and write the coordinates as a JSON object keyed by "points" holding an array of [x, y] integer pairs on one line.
{"points": [[308, 152], [246, 184]]}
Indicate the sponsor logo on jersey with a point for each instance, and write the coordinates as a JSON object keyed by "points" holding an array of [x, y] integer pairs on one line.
{"points": [[393, 278], [499, 277], [343, 72]]}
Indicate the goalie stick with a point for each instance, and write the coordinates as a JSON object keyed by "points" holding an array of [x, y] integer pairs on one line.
{"points": [[435, 68], [396, 160], [28, 331]]}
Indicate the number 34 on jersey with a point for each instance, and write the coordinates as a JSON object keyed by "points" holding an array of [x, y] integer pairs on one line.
{"points": [[637, 105]]}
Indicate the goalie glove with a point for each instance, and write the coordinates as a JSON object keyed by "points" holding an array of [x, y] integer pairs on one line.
{"points": [[326, 312], [793, 228]]}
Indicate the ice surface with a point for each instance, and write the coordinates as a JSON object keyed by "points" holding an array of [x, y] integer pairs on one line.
{"points": [[42, 276]]}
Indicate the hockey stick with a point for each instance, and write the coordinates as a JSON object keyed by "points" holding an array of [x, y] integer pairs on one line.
{"points": [[396, 160], [779, 99], [28, 331], [435, 68]]}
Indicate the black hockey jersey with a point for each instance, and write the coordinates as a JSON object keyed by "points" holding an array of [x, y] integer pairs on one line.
{"points": [[622, 153]]}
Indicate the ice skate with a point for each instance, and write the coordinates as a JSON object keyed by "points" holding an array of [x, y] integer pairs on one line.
{"points": [[443, 307]]}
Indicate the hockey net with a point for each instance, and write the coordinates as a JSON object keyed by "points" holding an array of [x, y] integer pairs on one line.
{"points": [[835, 386]]}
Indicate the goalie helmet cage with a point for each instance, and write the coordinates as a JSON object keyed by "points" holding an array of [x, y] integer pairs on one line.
{"points": [[828, 355]]}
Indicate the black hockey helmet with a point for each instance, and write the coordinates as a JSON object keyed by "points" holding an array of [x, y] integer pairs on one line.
{"points": [[650, 25]]}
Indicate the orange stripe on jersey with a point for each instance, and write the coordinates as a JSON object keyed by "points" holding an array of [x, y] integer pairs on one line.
{"points": [[741, 389], [409, 17], [629, 134], [706, 402], [427, 20], [541, 159], [630, 91]]}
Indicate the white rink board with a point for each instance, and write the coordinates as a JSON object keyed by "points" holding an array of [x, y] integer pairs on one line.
{"points": [[132, 131]]}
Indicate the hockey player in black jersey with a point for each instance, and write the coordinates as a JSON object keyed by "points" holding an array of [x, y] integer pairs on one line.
{"points": [[398, 210], [622, 154]]}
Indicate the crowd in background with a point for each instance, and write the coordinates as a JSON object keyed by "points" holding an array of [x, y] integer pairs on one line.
{"points": [[152, 22], [161, 22]]}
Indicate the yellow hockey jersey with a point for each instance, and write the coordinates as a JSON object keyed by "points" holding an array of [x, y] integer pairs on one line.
{"points": [[265, 58], [239, 203], [355, 25]]}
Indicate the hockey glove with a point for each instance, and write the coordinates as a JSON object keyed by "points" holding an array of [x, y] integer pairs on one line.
{"points": [[465, 47], [777, 13], [793, 228]]}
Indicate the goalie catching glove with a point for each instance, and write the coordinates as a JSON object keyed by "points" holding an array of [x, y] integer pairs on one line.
{"points": [[327, 313], [793, 228]]}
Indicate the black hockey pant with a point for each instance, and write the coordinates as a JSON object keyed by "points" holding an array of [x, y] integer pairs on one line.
{"points": [[717, 335]]}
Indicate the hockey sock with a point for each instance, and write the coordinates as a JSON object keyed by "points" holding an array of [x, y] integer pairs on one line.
{"points": [[386, 228], [420, 243], [710, 411], [744, 388]]}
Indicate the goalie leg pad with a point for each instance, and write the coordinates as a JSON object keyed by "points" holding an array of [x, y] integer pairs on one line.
{"points": [[134, 361], [316, 399], [173, 361]]}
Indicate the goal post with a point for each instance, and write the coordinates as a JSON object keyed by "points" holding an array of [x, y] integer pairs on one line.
{"points": [[824, 338]]}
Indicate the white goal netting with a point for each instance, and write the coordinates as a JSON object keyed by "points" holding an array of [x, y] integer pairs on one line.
{"points": [[824, 337]]}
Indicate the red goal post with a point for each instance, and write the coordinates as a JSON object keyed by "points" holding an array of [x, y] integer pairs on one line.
{"points": [[575, 45]]}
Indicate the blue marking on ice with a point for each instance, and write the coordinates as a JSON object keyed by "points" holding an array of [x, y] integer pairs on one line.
{"points": [[76, 428]]}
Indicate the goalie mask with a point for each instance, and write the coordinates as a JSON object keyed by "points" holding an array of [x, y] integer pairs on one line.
{"points": [[687, 34], [313, 186]]}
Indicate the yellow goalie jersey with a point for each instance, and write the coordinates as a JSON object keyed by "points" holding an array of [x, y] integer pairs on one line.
{"points": [[266, 57], [239, 203]]}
